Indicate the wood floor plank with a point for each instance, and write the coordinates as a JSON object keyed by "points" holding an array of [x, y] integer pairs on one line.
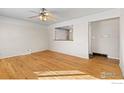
{"points": [[23, 67]]}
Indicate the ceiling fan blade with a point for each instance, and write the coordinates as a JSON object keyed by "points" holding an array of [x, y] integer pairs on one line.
{"points": [[37, 16], [51, 18], [53, 15], [34, 12]]}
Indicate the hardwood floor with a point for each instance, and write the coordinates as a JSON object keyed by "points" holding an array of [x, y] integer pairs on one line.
{"points": [[23, 67]]}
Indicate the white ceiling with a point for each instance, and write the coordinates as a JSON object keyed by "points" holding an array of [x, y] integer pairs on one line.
{"points": [[61, 13]]}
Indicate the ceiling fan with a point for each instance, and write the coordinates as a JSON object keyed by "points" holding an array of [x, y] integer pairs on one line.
{"points": [[43, 15]]}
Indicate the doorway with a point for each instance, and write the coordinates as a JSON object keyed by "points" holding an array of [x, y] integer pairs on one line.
{"points": [[104, 38]]}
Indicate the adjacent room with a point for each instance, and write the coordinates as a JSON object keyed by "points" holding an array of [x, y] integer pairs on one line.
{"points": [[104, 38], [61, 43]]}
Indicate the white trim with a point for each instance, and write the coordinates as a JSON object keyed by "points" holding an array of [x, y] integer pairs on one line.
{"points": [[113, 57], [26, 53], [20, 54]]}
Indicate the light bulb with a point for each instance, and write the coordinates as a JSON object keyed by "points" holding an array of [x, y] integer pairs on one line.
{"points": [[44, 18], [41, 17]]}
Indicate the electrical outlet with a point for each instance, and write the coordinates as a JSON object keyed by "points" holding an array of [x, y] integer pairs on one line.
{"points": [[29, 50]]}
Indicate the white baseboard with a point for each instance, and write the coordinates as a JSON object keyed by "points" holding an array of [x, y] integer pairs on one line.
{"points": [[76, 55], [113, 57], [19, 54], [13, 55]]}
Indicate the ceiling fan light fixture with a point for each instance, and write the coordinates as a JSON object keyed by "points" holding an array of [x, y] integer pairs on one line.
{"points": [[43, 18], [46, 13], [43, 15]]}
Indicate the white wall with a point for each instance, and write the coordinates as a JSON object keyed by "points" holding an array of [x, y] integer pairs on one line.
{"points": [[78, 47], [122, 40], [105, 37], [90, 39], [21, 37]]}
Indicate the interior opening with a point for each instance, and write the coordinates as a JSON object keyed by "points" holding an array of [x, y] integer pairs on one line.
{"points": [[104, 38]]}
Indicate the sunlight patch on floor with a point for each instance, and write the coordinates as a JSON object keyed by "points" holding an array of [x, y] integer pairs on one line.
{"points": [[70, 74]]}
